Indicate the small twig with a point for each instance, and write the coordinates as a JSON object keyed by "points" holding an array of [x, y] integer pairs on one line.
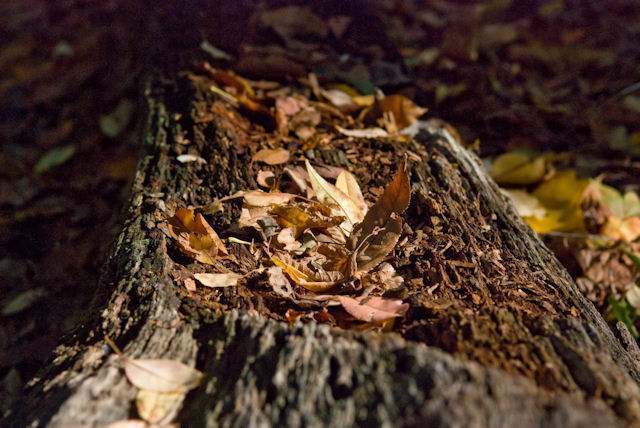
{"points": [[113, 346]]}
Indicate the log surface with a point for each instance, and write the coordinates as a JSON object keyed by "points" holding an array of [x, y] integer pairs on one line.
{"points": [[566, 367]]}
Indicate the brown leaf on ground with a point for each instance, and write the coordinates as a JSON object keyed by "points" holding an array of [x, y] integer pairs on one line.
{"points": [[394, 200], [218, 280], [280, 283], [266, 178], [348, 183], [376, 249], [305, 276], [404, 111], [373, 309], [272, 156], [195, 237], [329, 194]]}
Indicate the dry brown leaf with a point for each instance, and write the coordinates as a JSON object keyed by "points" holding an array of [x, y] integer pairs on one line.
{"points": [[394, 200], [373, 309], [379, 245], [287, 238], [195, 237], [304, 122], [161, 375], [272, 156], [364, 133], [155, 406], [633, 296], [384, 278], [338, 25], [329, 194], [304, 216], [280, 283], [249, 216], [306, 280], [189, 284], [217, 280], [258, 198], [404, 111], [265, 178]]}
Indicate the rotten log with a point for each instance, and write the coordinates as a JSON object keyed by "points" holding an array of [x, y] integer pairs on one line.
{"points": [[498, 334], [508, 341]]}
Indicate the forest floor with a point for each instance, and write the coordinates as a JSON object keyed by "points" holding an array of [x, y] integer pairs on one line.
{"points": [[556, 77]]}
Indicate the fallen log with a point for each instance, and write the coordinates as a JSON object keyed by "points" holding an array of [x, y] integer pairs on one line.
{"points": [[497, 333]]}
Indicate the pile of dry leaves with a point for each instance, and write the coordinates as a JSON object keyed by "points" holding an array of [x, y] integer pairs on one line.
{"points": [[319, 248]]}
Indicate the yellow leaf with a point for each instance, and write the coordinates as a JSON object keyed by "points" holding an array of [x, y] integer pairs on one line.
{"points": [[364, 100], [294, 273], [293, 215], [328, 193], [526, 204], [303, 279], [348, 183], [195, 237], [517, 168], [562, 190], [561, 197], [570, 219]]}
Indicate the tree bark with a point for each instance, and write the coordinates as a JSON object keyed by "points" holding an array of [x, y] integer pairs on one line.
{"points": [[505, 339]]}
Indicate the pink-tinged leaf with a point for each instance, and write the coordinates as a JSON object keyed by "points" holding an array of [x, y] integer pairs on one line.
{"points": [[266, 178], [218, 280], [373, 309], [161, 375], [272, 156]]}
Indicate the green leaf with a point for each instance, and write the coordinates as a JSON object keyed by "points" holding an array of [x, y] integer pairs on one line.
{"points": [[622, 311], [54, 157], [631, 204], [610, 197], [634, 258]]}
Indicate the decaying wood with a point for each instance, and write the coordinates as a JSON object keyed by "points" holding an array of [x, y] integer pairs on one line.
{"points": [[498, 334]]}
